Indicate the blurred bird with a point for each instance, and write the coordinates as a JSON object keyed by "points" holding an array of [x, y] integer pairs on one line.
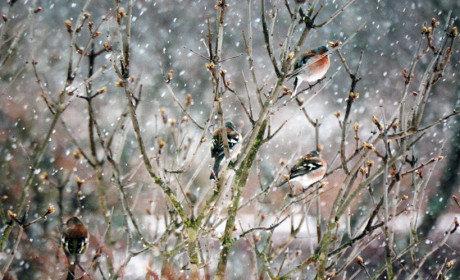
{"points": [[313, 72], [75, 240], [308, 170], [217, 146]]}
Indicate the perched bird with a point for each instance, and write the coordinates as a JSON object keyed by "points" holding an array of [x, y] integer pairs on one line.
{"points": [[217, 146], [75, 240], [309, 169], [313, 72]]}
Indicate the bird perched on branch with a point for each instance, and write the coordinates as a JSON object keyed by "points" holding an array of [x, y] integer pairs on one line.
{"points": [[75, 240], [217, 146], [312, 72], [309, 169]]}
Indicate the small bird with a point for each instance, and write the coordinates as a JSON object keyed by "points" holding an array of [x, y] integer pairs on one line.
{"points": [[309, 169], [75, 240], [217, 146], [312, 72]]}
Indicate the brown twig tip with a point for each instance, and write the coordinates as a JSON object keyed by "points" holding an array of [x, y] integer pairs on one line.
{"points": [[184, 119], [120, 83], [4, 197], [79, 181], [337, 114], [5, 19], [12, 215], [163, 115], [77, 154], [456, 225], [44, 176], [50, 210], [121, 13], [454, 197], [37, 10], [364, 170], [102, 90], [427, 30], [356, 127], [368, 146], [395, 174], [334, 44], [68, 24], [172, 122], [377, 123], [359, 260], [161, 143], [419, 172], [220, 4], [170, 76], [210, 65], [286, 91], [86, 15], [449, 264], [189, 101], [354, 95], [405, 197]]}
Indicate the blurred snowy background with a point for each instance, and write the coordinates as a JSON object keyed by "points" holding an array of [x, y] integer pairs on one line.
{"points": [[163, 35]]}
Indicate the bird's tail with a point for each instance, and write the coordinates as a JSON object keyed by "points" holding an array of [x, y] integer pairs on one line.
{"points": [[282, 183], [215, 169], [71, 272], [296, 85]]}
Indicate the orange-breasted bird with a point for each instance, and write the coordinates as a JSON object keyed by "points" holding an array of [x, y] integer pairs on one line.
{"points": [[217, 146], [309, 169], [75, 238], [312, 72]]}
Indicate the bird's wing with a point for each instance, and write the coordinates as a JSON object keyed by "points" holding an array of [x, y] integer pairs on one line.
{"points": [[217, 145], [304, 166], [233, 139], [303, 59]]}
